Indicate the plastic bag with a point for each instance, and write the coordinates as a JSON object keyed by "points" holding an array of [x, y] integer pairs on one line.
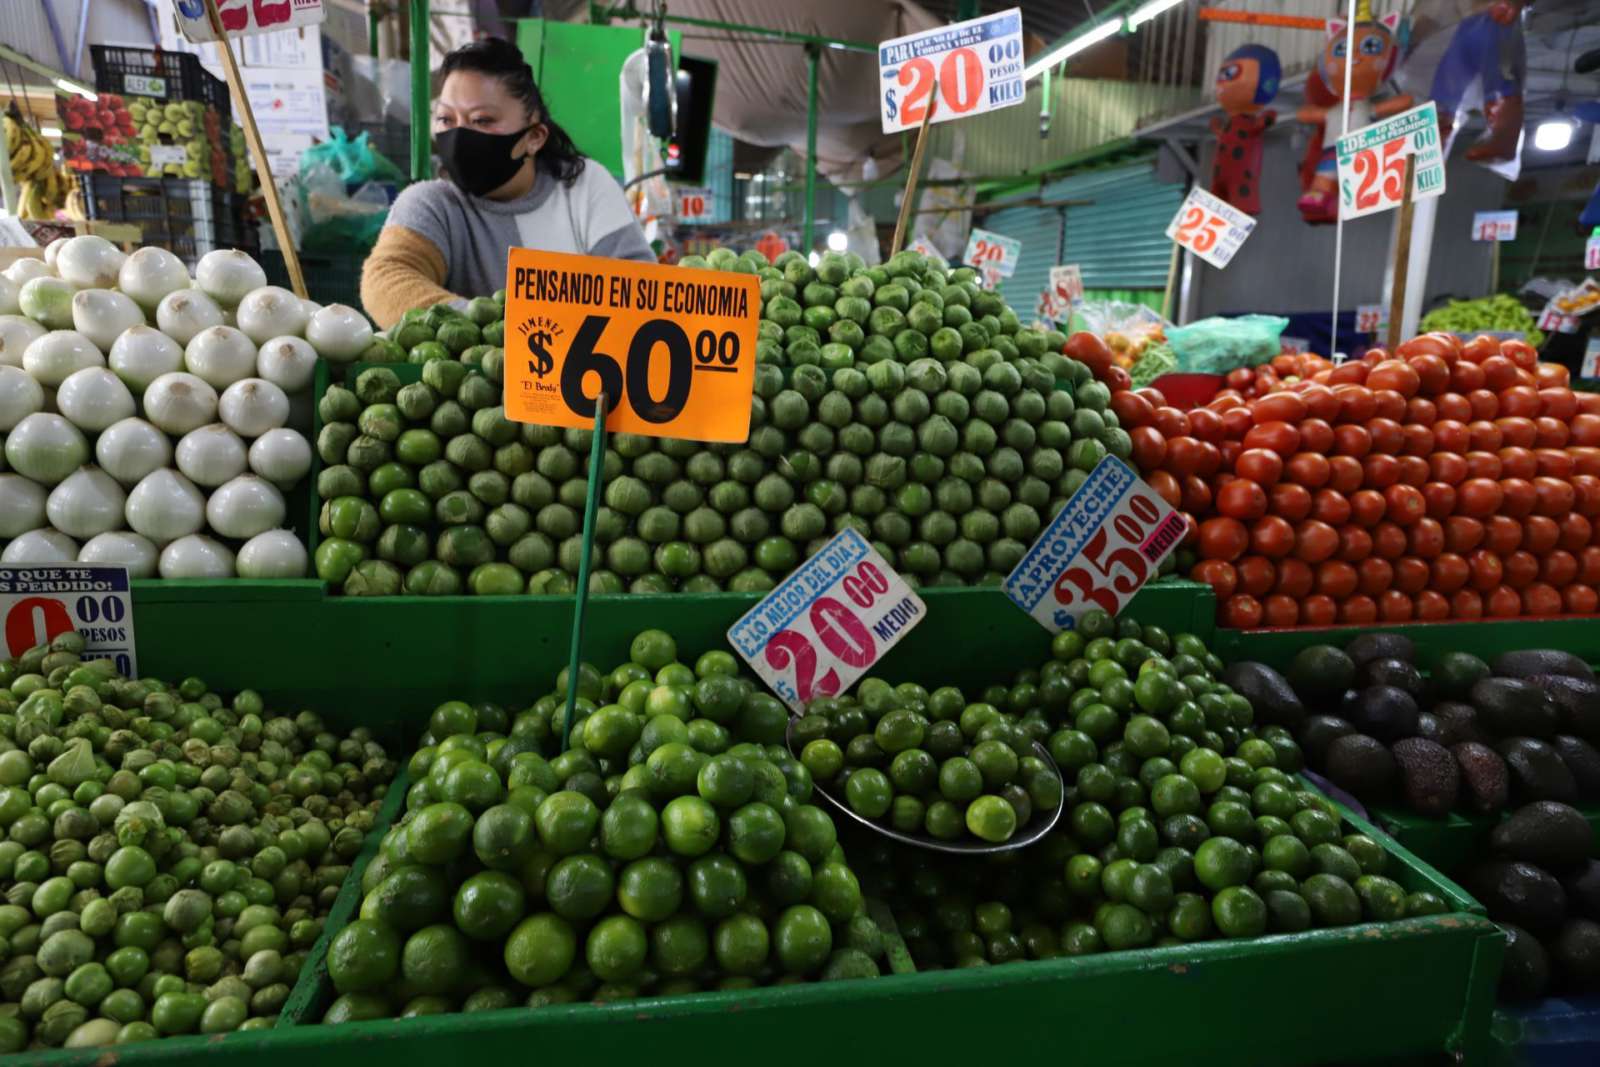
{"points": [[1127, 329], [335, 219], [354, 162], [1219, 345]]}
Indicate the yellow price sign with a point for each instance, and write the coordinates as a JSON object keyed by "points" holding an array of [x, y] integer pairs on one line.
{"points": [[673, 349]]}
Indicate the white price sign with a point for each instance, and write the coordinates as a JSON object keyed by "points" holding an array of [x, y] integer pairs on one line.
{"points": [[241, 18], [163, 154], [1371, 318], [921, 244], [963, 69], [1097, 552], [1554, 320], [144, 85], [41, 601], [1591, 360], [1210, 227], [694, 202], [1591, 253], [988, 249], [1494, 225], [828, 622], [1372, 162], [1066, 284], [1294, 345]]}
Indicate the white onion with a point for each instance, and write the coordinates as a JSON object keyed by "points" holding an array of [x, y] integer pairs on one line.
{"points": [[270, 312], [211, 455], [253, 406], [20, 396], [287, 362], [88, 502], [196, 557], [47, 301], [227, 276], [8, 296], [184, 313], [46, 448], [165, 506], [17, 332], [22, 503], [339, 333], [150, 274], [89, 262], [273, 554], [132, 449], [122, 549], [102, 314], [244, 507], [142, 354], [58, 354], [41, 546], [53, 250], [26, 270], [311, 307], [220, 355], [180, 402], [282, 457], [94, 399]]}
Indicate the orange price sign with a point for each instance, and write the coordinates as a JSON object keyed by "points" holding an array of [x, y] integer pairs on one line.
{"points": [[673, 349]]}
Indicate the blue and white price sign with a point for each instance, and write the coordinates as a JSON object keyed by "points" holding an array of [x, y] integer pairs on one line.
{"points": [[1097, 551], [828, 622], [976, 66], [41, 601]]}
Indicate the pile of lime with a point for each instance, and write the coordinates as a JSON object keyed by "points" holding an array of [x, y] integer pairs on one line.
{"points": [[903, 401], [673, 848], [929, 763], [169, 858], [1183, 821]]}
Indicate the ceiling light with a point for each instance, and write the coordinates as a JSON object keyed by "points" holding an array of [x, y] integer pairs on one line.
{"points": [[814, 258], [1072, 48], [838, 241], [1148, 11], [82, 90], [1552, 135], [50, 131]]}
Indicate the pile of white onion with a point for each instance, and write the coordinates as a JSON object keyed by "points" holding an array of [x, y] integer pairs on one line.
{"points": [[156, 421]]}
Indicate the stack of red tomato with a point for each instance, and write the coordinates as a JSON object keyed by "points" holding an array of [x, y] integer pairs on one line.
{"points": [[1451, 480]]}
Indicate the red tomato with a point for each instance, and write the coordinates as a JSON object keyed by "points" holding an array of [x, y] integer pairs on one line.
{"points": [[1550, 433], [1498, 373], [1514, 430], [1256, 575], [1465, 377], [1230, 450], [1277, 437], [1502, 535], [1432, 372], [1483, 465], [1219, 575], [1387, 435], [1395, 606], [1241, 612], [1242, 499], [1260, 466], [1316, 436], [1380, 471], [1320, 403], [1486, 570], [1518, 463], [1280, 610], [1520, 353], [1540, 599], [1196, 494], [1345, 474], [1166, 486], [1171, 422], [1479, 349], [1210, 459], [1414, 471], [1454, 406], [1558, 403], [1585, 430], [1336, 579], [1518, 497], [1428, 343], [1315, 541], [1290, 501], [1449, 435], [1448, 572], [1425, 538], [1223, 538], [1309, 469], [1352, 440], [1240, 378], [1279, 407], [1236, 422], [1149, 447], [1520, 568], [1318, 610], [1388, 404], [1485, 405], [1520, 400], [1296, 578], [1272, 536], [1367, 507], [1422, 411], [1131, 409], [1586, 488], [1555, 462], [1388, 540], [1405, 504], [1484, 436], [1575, 532], [1350, 372], [1554, 496], [1418, 440], [1589, 565], [1559, 568], [1579, 599], [1358, 610], [1184, 456], [1207, 425], [1355, 544], [1397, 375], [1155, 397], [1462, 534], [1441, 498], [1552, 376], [1479, 497], [1374, 575], [1432, 606], [1447, 467], [1411, 574], [1330, 506], [1356, 403]]}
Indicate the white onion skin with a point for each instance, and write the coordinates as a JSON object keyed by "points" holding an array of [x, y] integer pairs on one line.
{"points": [[124, 549], [196, 556]]}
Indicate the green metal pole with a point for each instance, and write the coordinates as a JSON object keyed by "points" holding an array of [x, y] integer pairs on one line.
{"points": [[814, 59], [968, 9], [421, 142], [372, 30], [580, 604]]}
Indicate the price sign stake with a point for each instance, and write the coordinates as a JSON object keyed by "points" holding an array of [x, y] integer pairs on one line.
{"points": [[1372, 162], [1210, 227], [41, 601], [975, 65], [1097, 552], [827, 623]]}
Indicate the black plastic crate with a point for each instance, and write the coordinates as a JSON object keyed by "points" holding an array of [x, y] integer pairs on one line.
{"points": [[155, 73], [329, 279], [189, 217]]}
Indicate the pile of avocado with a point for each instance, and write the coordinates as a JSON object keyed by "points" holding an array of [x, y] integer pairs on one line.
{"points": [[1467, 735]]}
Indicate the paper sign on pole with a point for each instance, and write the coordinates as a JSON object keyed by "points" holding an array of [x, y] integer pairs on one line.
{"points": [[827, 623], [1494, 225], [243, 17], [1210, 227], [41, 601], [921, 244], [694, 202], [977, 66], [673, 349], [1066, 284], [1372, 162], [1591, 253], [1372, 318], [1097, 551], [988, 249]]}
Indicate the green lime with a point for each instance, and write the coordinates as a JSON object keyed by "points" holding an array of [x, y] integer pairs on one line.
{"points": [[869, 793], [996, 762], [1222, 862], [679, 946], [1189, 919], [1151, 889], [943, 820], [1205, 768], [579, 886], [899, 730], [1367, 852], [823, 758], [439, 833], [1175, 794], [650, 889], [1116, 880], [629, 828], [1287, 912], [1123, 926], [991, 818], [653, 649], [810, 832], [1239, 912], [488, 905], [435, 959], [690, 826], [1285, 852], [741, 945], [540, 950], [1333, 901], [1315, 827], [960, 780], [1382, 899], [914, 771], [755, 833], [1333, 859], [803, 939], [674, 769], [834, 889], [616, 948], [566, 822], [503, 837], [363, 956], [717, 885]]}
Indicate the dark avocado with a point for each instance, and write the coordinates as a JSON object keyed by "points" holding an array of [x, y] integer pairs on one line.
{"points": [[1317, 733], [1553, 835], [1537, 771], [1368, 647], [1432, 729], [1395, 672], [1429, 777], [1576, 951], [1363, 766], [1578, 700], [1386, 712], [1525, 972], [1511, 707], [1320, 671], [1583, 760], [1269, 693], [1519, 893], [1460, 722], [1527, 662], [1455, 673], [1484, 774], [1583, 888]]}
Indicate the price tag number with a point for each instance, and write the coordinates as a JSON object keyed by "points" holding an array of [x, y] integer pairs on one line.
{"points": [[1200, 230], [717, 353], [987, 253], [840, 630], [1078, 588], [960, 78], [1381, 178]]}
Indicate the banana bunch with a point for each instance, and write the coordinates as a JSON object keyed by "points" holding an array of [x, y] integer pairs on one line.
{"points": [[42, 186]]}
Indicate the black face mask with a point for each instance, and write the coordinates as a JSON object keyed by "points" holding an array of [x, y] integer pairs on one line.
{"points": [[478, 162]]}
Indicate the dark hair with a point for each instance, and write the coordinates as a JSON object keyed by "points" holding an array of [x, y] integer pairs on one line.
{"points": [[502, 60]]}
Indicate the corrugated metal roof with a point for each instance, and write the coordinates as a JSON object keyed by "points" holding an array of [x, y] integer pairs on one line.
{"points": [[25, 28]]}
